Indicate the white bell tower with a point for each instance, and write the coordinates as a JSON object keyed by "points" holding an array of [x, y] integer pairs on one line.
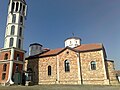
{"points": [[15, 24], [12, 55]]}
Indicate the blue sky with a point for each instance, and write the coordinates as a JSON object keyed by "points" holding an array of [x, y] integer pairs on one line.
{"points": [[50, 22]]}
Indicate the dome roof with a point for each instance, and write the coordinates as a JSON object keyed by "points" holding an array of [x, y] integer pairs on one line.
{"points": [[73, 38], [35, 44]]}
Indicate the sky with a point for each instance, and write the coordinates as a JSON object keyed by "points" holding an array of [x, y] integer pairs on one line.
{"points": [[50, 22]]}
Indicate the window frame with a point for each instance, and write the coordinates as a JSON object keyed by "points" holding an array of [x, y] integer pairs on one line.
{"points": [[4, 67], [67, 65], [14, 18], [49, 70], [11, 42], [6, 56], [12, 30], [3, 76], [19, 43], [93, 65]]}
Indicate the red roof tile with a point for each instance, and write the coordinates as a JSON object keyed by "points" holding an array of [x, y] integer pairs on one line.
{"points": [[87, 47], [52, 52], [83, 47]]}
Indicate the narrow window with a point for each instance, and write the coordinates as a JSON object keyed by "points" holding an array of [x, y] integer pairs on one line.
{"points": [[14, 18], [23, 9], [93, 65], [20, 32], [13, 5], [49, 70], [12, 30], [6, 56], [17, 5], [11, 42], [3, 76], [67, 66], [4, 67], [21, 20], [18, 57], [17, 68], [19, 43], [20, 7]]}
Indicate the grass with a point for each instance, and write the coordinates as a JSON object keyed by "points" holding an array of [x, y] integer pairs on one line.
{"points": [[60, 87]]}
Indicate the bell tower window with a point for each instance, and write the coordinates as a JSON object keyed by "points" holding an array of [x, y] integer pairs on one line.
{"points": [[13, 5], [19, 43], [23, 9], [11, 42], [20, 32], [14, 18], [17, 5], [18, 57], [4, 67], [3, 76], [21, 20], [17, 68], [6, 56], [12, 30], [20, 7]]}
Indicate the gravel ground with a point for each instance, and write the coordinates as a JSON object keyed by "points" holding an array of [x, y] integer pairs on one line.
{"points": [[60, 87]]}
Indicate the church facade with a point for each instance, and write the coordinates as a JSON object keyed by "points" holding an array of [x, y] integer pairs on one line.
{"points": [[76, 63]]}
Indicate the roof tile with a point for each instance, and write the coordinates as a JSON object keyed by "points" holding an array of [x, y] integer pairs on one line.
{"points": [[87, 47]]}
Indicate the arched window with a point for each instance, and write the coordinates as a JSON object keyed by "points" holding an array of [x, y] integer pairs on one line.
{"points": [[20, 7], [12, 30], [67, 66], [18, 57], [20, 32], [17, 5], [13, 5], [21, 20], [93, 65], [23, 9], [4, 67], [6, 56], [3, 76], [14, 18], [17, 68], [11, 42], [19, 43], [49, 70]]}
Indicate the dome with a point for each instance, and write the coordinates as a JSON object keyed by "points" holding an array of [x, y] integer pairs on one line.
{"points": [[72, 42]]}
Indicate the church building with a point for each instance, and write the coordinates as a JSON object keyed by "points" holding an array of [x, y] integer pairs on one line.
{"points": [[75, 63]]}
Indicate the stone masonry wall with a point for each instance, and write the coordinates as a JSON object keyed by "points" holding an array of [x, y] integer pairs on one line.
{"points": [[44, 78], [111, 72], [92, 76], [72, 76]]}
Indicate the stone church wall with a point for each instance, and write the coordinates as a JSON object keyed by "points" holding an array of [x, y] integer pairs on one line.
{"points": [[44, 78], [70, 77], [111, 72], [92, 76]]}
